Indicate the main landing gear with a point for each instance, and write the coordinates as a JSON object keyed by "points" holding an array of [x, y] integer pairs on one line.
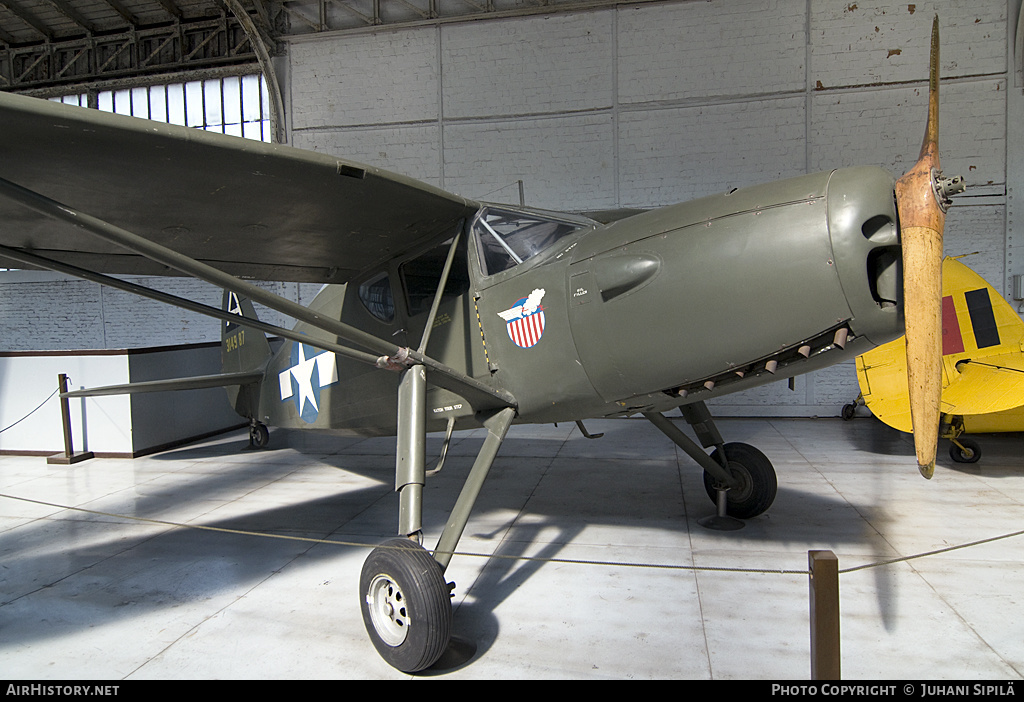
{"points": [[404, 597], [738, 478], [406, 605], [405, 600], [962, 448], [755, 483]]}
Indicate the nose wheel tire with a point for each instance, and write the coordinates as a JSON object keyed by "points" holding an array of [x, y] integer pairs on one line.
{"points": [[757, 486], [406, 605]]}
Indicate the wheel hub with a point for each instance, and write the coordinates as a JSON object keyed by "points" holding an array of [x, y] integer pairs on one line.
{"points": [[388, 610], [744, 487]]}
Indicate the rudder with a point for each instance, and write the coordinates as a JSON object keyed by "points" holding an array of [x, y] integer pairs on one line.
{"points": [[242, 349]]}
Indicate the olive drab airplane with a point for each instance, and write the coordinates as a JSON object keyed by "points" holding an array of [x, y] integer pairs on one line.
{"points": [[441, 312], [982, 366]]}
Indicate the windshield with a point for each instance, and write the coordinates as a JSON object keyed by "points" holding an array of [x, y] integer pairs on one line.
{"points": [[508, 238]]}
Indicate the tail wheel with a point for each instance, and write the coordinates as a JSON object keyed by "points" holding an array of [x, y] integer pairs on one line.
{"points": [[964, 450], [406, 605], [758, 484], [259, 435]]}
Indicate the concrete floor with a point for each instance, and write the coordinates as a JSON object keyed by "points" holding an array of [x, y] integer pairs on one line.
{"points": [[94, 595]]}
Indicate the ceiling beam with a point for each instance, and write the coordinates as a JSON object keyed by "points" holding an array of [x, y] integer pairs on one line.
{"points": [[6, 38], [123, 11], [172, 9], [73, 15], [28, 19], [266, 66]]}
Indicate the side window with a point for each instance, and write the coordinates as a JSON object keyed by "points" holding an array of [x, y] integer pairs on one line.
{"points": [[507, 238], [375, 294], [421, 275]]}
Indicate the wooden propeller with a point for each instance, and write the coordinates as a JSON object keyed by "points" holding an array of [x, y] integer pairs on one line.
{"points": [[922, 197]]}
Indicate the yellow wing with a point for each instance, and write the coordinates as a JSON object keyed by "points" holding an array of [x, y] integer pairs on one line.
{"points": [[882, 375], [982, 362], [993, 384]]}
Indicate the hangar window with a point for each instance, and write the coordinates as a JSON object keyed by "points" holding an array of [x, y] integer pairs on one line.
{"points": [[236, 105]]}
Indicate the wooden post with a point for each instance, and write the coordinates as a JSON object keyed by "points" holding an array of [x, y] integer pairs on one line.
{"points": [[824, 584], [69, 456]]}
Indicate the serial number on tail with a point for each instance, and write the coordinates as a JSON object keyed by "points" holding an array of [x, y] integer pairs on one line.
{"points": [[233, 342]]}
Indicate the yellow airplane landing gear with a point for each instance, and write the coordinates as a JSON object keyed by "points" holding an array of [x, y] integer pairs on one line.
{"points": [[962, 449], [850, 410]]}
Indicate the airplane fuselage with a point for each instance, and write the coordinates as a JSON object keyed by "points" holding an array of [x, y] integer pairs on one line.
{"points": [[577, 319]]}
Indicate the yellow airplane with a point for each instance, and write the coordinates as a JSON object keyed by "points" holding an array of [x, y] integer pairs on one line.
{"points": [[982, 366]]}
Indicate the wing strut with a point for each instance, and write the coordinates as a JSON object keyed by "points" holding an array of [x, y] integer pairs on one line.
{"points": [[437, 295], [392, 357]]}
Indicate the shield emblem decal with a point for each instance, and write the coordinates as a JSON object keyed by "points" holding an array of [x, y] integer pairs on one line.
{"points": [[525, 320]]}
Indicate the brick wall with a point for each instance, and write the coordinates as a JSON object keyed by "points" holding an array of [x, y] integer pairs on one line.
{"points": [[42, 312]]}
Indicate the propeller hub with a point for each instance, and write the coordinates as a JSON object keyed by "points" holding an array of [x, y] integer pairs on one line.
{"points": [[945, 188]]}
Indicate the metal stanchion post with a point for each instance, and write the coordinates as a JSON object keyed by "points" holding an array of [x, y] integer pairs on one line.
{"points": [[69, 456]]}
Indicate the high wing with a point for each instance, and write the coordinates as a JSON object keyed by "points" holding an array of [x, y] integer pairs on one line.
{"points": [[983, 355], [254, 210]]}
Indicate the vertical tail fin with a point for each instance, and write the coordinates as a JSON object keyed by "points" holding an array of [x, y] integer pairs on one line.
{"points": [[242, 349], [976, 319]]}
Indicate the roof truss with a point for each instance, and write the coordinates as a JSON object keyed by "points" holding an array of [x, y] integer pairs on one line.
{"points": [[49, 44]]}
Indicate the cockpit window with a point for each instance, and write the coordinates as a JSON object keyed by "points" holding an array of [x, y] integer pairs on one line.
{"points": [[375, 294], [508, 238], [422, 274]]}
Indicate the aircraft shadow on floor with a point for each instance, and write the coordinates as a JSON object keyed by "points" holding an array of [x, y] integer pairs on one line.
{"points": [[560, 491]]}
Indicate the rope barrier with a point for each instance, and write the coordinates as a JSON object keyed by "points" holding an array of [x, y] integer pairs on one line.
{"points": [[932, 553], [569, 561], [32, 412]]}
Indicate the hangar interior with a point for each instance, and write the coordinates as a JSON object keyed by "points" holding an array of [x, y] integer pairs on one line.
{"points": [[580, 106], [571, 102]]}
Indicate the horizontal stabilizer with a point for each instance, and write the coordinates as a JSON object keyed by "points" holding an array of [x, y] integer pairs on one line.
{"points": [[993, 384], [199, 382]]}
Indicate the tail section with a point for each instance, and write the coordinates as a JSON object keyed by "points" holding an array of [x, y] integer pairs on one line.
{"points": [[242, 350], [977, 320], [982, 345], [982, 355]]}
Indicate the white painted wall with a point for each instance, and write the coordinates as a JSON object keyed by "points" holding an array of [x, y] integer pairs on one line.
{"points": [[122, 425], [97, 424]]}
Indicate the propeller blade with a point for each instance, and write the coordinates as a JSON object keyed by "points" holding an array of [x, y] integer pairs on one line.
{"points": [[922, 197]]}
